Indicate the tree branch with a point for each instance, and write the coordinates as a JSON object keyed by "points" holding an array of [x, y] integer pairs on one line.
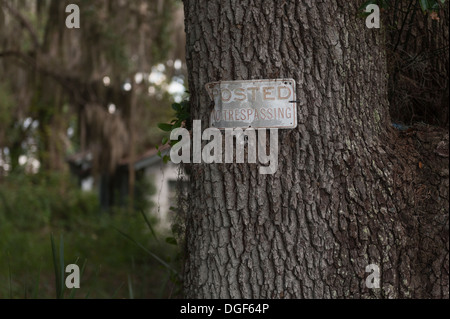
{"points": [[16, 54], [69, 83], [23, 21]]}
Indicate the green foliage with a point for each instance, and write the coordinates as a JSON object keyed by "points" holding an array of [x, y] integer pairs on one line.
{"points": [[58, 267], [40, 198], [6, 106], [171, 241], [32, 208], [144, 188], [104, 36], [174, 274], [182, 115], [430, 5], [162, 41]]}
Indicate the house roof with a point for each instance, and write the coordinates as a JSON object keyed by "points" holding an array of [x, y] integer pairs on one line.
{"points": [[148, 158], [145, 159]]}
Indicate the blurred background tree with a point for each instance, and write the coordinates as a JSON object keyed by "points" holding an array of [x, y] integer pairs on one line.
{"points": [[100, 91], [83, 89]]}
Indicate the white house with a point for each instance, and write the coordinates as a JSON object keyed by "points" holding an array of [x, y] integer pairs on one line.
{"points": [[113, 188]]}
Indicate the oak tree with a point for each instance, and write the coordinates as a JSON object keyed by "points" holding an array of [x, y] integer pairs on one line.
{"points": [[350, 190]]}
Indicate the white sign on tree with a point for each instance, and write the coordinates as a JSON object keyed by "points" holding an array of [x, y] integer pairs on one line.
{"points": [[253, 104]]}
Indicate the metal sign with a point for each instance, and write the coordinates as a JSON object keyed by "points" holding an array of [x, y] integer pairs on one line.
{"points": [[253, 104]]}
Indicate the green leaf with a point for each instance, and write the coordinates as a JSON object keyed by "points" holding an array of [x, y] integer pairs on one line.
{"points": [[56, 268], [117, 290], [165, 140], [97, 271], [162, 262], [61, 265], [365, 4], [424, 4], [176, 106], [435, 6], [130, 288], [166, 159], [183, 116], [36, 287], [185, 104], [10, 277], [171, 241], [177, 123], [165, 127], [149, 225]]}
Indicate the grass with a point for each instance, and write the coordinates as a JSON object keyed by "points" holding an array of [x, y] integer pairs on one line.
{"points": [[45, 228]]}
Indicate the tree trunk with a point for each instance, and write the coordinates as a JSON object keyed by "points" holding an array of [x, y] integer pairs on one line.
{"points": [[349, 190]]}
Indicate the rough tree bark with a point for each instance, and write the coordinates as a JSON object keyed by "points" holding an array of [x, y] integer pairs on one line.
{"points": [[417, 47], [349, 190]]}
